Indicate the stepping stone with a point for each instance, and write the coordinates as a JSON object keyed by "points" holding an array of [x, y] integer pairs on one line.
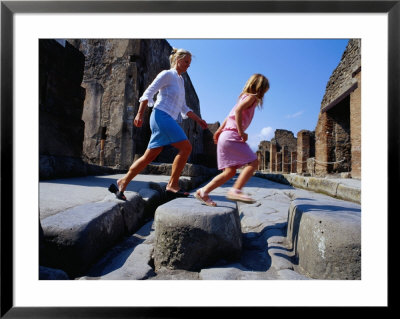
{"points": [[192, 236], [326, 238]]}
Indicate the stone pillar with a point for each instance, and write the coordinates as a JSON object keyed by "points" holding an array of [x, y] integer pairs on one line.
{"points": [[355, 129], [293, 162], [278, 162], [272, 157], [267, 160], [285, 160], [260, 161], [304, 139], [323, 141]]}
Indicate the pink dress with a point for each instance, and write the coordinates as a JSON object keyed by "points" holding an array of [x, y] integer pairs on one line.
{"points": [[231, 150]]}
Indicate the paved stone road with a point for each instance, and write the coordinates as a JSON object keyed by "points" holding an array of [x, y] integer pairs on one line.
{"points": [[265, 254]]}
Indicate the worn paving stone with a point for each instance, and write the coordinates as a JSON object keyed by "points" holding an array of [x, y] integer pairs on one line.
{"points": [[266, 254]]}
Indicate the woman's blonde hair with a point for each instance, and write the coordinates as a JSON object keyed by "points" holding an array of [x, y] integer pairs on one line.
{"points": [[256, 85], [177, 54]]}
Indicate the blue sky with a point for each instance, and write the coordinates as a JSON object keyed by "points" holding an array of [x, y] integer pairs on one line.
{"points": [[298, 71]]}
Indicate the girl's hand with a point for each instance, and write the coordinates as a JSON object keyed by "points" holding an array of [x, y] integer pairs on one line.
{"points": [[138, 120], [216, 136], [244, 137]]}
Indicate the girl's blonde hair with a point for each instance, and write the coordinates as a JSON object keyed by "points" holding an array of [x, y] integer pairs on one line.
{"points": [[256, 85], [177, 54]]}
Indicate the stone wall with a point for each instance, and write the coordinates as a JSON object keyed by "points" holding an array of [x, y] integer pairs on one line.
{"points": [[60, 109], [339, 121], [61, 103], [116, 73], [355, 124], [60, 99], [335, 145], [284, 138]]}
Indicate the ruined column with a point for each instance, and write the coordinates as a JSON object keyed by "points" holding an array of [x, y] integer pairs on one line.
{"points": [[293, 162], [323, 142], [272, 157], [285, 160], [260, 161], [278, 161], [303, 150]]}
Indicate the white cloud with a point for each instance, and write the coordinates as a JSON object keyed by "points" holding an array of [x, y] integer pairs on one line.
{"points": [[266, 134], [294, 115]]}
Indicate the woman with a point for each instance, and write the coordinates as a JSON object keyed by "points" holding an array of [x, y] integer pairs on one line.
{"points": [[165, 130]]}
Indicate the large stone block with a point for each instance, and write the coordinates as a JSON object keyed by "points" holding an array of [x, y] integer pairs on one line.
{"points": [[323, 185], [192, 236], [75, 238], [349, 193], [326, 238]]}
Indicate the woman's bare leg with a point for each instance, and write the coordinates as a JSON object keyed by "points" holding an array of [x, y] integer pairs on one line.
{"points": [[185, 148], [137, 166]]}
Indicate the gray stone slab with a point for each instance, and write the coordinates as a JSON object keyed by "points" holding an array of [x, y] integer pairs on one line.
{"points": [[190, 235], [75, 238], [326, 238], [61, 194]]}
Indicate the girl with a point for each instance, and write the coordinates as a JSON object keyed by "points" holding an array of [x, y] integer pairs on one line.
{"points": [[232, 150], [164, 128]]}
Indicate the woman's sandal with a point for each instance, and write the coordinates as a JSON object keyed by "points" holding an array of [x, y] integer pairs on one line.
{"points": [[200, 196], [114, 189], [177, 194], [238, 196]]}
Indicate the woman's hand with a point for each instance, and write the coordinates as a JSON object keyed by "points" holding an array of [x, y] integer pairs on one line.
{"points": [[196, 118], [203, 124], [138, 122]]}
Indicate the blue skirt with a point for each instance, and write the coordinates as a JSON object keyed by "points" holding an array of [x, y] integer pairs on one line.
{"points": [[164, 130]]}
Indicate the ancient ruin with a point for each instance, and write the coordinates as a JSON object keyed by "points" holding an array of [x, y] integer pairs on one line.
{"points": [[116, 74], [335, 145], [89, 93]]}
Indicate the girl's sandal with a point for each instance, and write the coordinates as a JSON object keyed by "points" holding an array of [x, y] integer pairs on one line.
{"points": [[200, 194], [238, 196]]}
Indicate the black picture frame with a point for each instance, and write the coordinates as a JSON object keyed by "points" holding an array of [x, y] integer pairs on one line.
{"points": [[9, 8]]}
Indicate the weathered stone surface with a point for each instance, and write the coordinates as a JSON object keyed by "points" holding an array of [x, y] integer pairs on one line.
{"points": [[326, 238], [176, 274], [338, 130], [233, 272], [284, 138], [299, 181], [191, 236], [322, 185], [60, 108], [117, 72], [75, 238], [342, 77], [129, 260], [349, 193], [345, 188], [191, 170]]}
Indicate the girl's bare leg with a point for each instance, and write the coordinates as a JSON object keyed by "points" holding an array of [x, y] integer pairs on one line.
{"points": [[185, 148], [137, 166], [245, 175], [217, 181]]}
